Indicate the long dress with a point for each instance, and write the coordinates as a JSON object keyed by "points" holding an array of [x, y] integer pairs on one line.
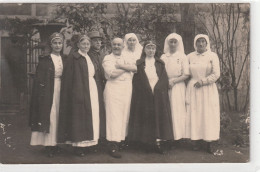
{"points": [[94, 105], [50, 139], [203, 103], [150, 115], [117, 96], [176, 65]]}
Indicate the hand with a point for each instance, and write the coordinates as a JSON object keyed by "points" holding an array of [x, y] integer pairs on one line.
{"points": [[117, 65], [198, 84], [172, 83]]}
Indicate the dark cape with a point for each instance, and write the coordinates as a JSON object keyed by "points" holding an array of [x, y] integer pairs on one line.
{"points": [[75, 120], [100, 81], [150, 115], [42, 95]]}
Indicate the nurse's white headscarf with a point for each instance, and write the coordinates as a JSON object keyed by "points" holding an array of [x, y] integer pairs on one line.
{"points": [[176, 36], [202, 36], [138, 46]]}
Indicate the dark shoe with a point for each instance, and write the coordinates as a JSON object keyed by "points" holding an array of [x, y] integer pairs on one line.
{"points": [[114, 150], [115, 154], [80, 151], [211, 147], [123, 145]]}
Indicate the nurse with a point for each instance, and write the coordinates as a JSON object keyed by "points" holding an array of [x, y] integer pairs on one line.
{"points": [[117, 95], [45, 101], [132, 48], [202, 94], [80, 116], [177, 68]]}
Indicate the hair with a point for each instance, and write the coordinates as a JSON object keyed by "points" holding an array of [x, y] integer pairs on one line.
{"points": [[77, 38], [48, 45], [143, 55]]}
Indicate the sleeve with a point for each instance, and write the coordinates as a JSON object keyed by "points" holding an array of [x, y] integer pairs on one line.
{"points": [[163, 58], [185, 65], [34, 106], [215, 71], [109, 66]]}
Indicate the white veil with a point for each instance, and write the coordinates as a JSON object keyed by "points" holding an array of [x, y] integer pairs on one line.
{"points": [[176, 36], [202, 36], [138, 46]]}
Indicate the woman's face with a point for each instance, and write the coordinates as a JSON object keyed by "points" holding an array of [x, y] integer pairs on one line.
{"points": [[56, 45], [150, 50], [131, 42], [173, 44], [84, 45], [201, 45]]}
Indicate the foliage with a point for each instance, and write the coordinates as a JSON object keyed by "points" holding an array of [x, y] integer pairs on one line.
{"points": [[228, 28], [142, 18], [19, 28]]}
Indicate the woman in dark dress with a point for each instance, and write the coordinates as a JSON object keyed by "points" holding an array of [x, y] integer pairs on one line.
{"points": [[45, 100], [80, 114], [150, 114]]}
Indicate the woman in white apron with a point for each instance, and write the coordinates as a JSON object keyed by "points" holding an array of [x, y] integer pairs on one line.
{"points": [[177, 68], [44, 114], [202, 94]]}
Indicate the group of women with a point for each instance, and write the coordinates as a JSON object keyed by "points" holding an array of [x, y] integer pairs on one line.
{"points": [[150, 90]]}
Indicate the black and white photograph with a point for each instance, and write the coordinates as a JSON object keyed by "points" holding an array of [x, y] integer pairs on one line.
{"points": [[124, 83]]}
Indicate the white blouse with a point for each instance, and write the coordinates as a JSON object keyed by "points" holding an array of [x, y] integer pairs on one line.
{"points": [[91, 69], [58, 65], [176, 64], [150, 71]]}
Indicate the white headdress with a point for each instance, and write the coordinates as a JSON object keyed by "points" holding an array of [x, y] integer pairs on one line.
{"points": [[138, 46], [176, 36], [202, 36]]}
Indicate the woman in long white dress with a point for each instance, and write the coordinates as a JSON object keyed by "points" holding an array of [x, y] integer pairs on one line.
{"points": [[202, 94], [44, 113], [177, 68], [79, 112], [132, 48]]}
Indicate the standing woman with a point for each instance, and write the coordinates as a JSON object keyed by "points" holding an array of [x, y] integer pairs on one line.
{"points": [[202, 94], [79, 110], [45, 101], [132, 48], [150, 120], [177, 68]]}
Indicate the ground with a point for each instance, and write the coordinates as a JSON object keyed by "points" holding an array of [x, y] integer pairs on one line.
{"points": [[15, 149]]}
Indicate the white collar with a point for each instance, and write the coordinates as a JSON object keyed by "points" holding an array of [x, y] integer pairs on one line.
{"points": [[83, 54]]}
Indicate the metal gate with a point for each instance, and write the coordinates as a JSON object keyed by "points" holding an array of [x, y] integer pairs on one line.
{"points": [[33, 52]]}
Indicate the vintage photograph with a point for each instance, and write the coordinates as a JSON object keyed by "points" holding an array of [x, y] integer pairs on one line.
{"points": [[124, 83]]}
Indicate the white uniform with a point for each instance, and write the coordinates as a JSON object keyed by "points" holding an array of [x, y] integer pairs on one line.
{"points": [[176, 65], [203, 102], [50, 139], [117, 96]]}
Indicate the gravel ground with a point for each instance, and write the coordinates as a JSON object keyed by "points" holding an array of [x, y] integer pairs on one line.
{"points": [[15, 149]]}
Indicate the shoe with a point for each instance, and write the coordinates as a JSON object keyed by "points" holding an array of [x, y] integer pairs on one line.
{"points": [[115, 154], [123, 145], [211, 149]]}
